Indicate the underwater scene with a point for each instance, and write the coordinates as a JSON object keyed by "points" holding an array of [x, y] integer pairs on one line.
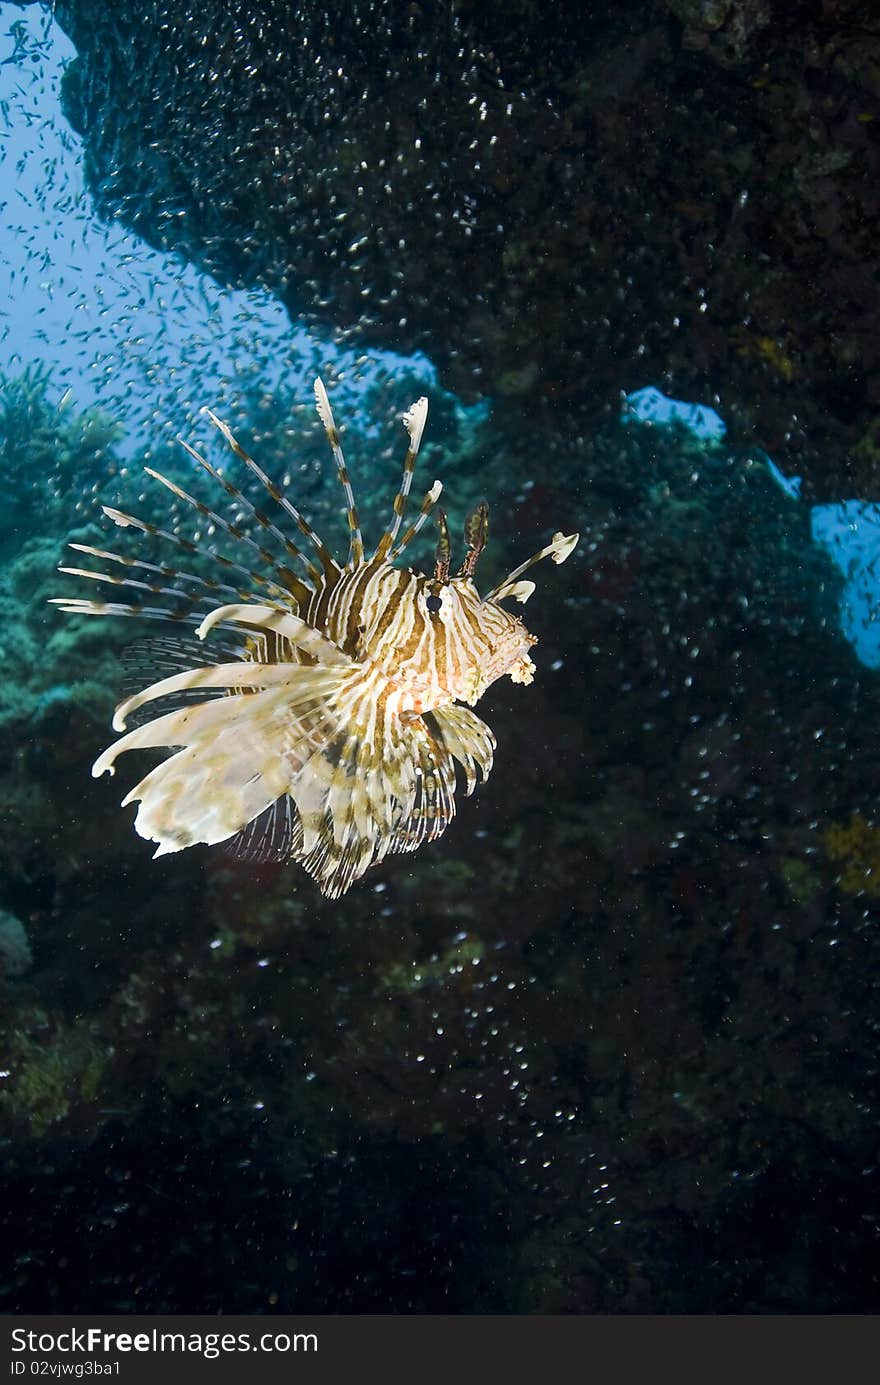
{"points": [[457, 427]]}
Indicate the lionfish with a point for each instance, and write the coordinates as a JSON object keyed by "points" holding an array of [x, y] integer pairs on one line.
{"points": [[322, 720]]}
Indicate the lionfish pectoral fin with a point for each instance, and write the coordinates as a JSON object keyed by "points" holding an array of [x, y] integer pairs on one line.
{"points": [[238, 676], [360, 798], [206, 797], [273, 835], [239, 754], [284, 623], [468, 739]]}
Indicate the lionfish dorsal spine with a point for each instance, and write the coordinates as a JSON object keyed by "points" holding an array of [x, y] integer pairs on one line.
{"points": [[430, 500], [356, 542], [328, 562], [249, 508], [233, 530], [126, 521], [141, 565], [414, 421]]}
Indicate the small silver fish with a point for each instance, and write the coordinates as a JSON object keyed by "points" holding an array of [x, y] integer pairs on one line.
{"points": [[336, 717]]}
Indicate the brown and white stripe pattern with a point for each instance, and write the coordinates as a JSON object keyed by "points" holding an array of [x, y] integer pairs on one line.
{"points": [[329, 731]]}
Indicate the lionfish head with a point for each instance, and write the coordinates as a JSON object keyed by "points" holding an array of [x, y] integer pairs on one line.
{"points": [[456, 640]]}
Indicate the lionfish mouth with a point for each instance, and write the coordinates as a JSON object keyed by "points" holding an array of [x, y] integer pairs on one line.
{"points": [[287, 736]]}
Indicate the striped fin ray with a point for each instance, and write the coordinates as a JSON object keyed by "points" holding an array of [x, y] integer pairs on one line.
{"points": [[386, 792], [192, 601], [432, 806], [155, 587], [166, 654], [79, 606], [233, 677], [273, 835], [414, 422], [280, 622], [468, 739], [149, 661], [350, 797], [247, 505], [325, 413], [328, 562], [284, 574], [343, 810], [163, 570], [559, 548], [126, 521], [430, 500]]}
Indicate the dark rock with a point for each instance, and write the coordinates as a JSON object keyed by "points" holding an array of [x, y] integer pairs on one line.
{"points": [[679, 193]]}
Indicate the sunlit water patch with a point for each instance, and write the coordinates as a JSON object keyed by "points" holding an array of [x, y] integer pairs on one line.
{"points": [[850, 529], [142, 334]]}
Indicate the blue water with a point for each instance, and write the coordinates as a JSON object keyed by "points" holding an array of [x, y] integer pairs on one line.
{"points": [[610, 1044]]}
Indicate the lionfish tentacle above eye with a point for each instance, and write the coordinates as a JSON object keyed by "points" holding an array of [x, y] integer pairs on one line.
{"points": [[560, 547], [443, 553], [476, 536], [328, 725]]}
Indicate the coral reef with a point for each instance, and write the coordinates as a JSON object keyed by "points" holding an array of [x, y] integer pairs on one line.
{"points": [[78, 451], [854, 846], [674, 192], [605, 1050], [15, 950]]}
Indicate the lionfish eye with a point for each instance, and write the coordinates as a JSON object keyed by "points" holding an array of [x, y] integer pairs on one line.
{"points": [[434, 603]]}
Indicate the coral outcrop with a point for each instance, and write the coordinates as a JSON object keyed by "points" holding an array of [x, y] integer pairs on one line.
{"points": [[669, 192], [615, 1018]]}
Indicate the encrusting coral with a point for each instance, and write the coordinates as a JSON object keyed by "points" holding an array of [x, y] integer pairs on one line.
{"points": [[855, 847]]}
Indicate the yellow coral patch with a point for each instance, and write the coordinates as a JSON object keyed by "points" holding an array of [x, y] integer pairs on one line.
{"points": [[855, 847]]}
